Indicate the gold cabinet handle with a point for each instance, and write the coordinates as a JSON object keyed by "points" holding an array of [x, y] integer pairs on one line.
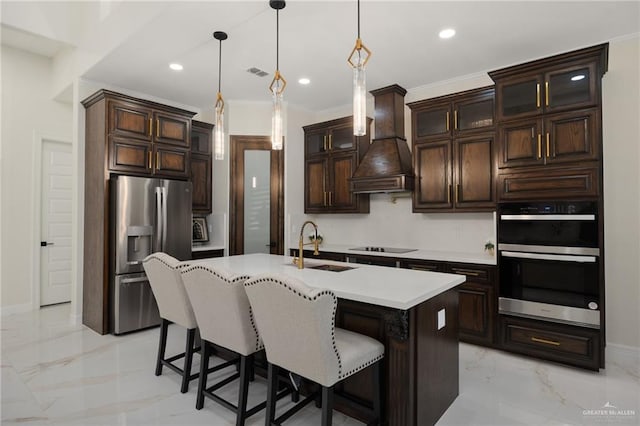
{"points": [[157, 128], [149, 160], [157, 160], [457, 192], [330, 141], [545, 341], [455, 119], [466, 272], [330, 201], [537, 95], [423, 268], [546, 93], [449, 194], [324, 142], [539, 146], [324, 198], [447, 123], [548, 151], [150, 127]]}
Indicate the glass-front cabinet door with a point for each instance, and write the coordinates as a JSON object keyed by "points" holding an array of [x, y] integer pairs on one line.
{"points": [[473, 115], [521, 97], [570, 87], [341, 138], [316, 142], [432, 122]]}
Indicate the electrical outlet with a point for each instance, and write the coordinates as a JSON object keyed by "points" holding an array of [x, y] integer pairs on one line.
{"points": [[441, 319]]}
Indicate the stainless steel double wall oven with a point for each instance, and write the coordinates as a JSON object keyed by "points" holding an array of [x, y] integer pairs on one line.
{"points": [[549, 261]]}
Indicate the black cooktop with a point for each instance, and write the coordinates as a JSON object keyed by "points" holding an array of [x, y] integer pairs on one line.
{"points": [[383, 249]]}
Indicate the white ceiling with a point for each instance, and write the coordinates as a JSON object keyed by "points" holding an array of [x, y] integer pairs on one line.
{"points": [[317, 36]]}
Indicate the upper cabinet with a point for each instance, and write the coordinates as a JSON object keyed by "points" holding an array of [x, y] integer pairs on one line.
{"points": [[453, 143], [549, 126], [332, 154], [142, 137], [201, 170]]}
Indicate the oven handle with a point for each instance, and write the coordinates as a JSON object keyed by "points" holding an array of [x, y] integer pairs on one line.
{"points": [[567, 217], [558, 257]]}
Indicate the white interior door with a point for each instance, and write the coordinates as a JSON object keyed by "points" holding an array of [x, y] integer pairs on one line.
{"points": [[55, 223]]}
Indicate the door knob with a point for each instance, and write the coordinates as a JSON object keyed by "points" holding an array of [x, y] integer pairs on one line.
{"points": [[44, 244]]}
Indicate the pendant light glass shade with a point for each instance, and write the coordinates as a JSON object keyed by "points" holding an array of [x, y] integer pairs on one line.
{"points": [[358, 59], [277, 133], [277, 87], [218, 130]]}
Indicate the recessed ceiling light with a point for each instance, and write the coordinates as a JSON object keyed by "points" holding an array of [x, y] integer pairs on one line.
{"points": [[447, 33], [176, 67], [304, 81], [577, 77]]}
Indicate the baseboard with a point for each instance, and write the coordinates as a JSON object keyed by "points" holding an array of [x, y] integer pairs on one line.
{"points": [[617, 352], [16, 309]]}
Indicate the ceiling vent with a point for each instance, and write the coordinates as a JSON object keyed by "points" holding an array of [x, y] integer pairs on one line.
{"points": [[257, 71]]}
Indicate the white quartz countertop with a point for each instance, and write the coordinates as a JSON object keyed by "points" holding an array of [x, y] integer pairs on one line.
{"points": [[444, 256], [391, 287]]}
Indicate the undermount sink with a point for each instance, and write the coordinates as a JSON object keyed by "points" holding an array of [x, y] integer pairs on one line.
{"points": [[332, 268]]}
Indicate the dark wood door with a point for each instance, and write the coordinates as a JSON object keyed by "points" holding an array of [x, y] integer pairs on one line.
{"points": [[170, 162], [316, 142], [172, 129], [474, 172], [341, 168], [130, 156], [341, 138], [240, 144], [201, 137], [316, 181], [474, 114], [476, 304], [130, 120], [571, 87], [431, 122], [201, 181], [572, 136], [432, 165], [520, 96], [520, 143]]}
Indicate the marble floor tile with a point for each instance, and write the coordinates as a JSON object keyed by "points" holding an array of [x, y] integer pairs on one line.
{"points": [[58, 373]]}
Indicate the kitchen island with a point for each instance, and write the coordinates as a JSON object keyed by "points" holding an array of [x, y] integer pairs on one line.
{"points": [[413, 313]]}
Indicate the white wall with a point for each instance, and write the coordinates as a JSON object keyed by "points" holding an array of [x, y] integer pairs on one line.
{"points": [[621, 138], [28, 113]]}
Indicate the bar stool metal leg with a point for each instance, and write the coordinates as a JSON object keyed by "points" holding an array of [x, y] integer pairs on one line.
{"points": [[162, 345], [272, 388], [246, 365], [377, 394], [327, 405], [204, 366]]}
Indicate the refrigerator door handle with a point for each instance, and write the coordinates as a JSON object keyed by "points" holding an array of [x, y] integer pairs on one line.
{"points": [[164, 218], [134, 280], [159, 223]]}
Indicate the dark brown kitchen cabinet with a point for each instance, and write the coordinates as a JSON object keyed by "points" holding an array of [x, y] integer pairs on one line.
{"points": [[454, 175], [332, 154], [556, 342], [477, 312], [453, 115], [201, 167], [548, 115], [453, 157], [557, 138], [128, 136], [560, 83]]}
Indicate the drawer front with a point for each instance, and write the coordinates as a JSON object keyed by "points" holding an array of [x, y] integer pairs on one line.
{"points": [[423, 265], [571, 345], [549, 183], [475, 273]]}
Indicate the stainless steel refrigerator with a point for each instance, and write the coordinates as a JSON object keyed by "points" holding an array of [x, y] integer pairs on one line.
{"points": [[149, 215]]}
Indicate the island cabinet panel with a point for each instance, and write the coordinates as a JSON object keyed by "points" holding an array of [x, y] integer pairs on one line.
{"points": [[548, 114], [421, 359], [332, 154], [452, 146]]}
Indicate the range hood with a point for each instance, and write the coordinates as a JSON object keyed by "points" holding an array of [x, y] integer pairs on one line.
{"points": [[386, 166]]}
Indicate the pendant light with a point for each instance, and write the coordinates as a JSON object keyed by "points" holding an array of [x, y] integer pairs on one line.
{"points": [[218, 130], [358, 59], [277, 85]]}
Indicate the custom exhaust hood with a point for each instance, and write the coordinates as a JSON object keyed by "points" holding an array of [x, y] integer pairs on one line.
{"points": [[386, 166]]}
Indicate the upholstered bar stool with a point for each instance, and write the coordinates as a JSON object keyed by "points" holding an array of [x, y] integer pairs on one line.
{"points": [[174, 307], [225, 319], [297, 326]]}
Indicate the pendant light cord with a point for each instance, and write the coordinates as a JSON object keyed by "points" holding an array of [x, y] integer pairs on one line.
{"points": [[358, 18], [277, 39], [219, 65]]}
